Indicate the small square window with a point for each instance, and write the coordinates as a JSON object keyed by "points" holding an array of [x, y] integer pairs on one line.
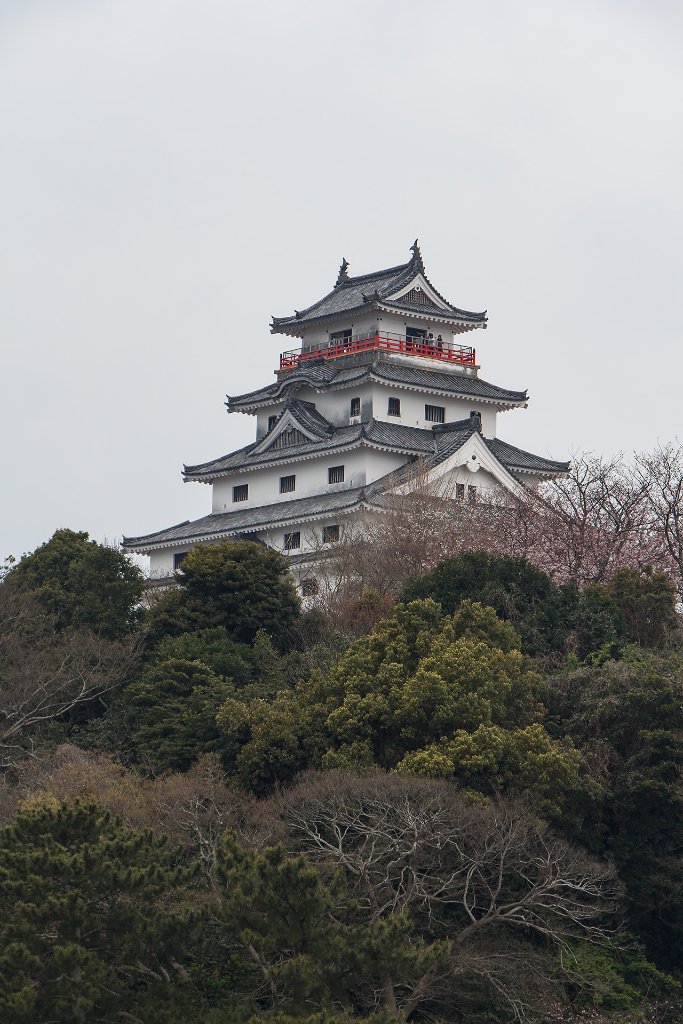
{"points": [[179, 559], [435, 413], [292, 541], [394, 407], [335, 475], [460, 492], [241, 492], [287, 484], [471, 493], [355, 407], [330, 534], [272, 420]]}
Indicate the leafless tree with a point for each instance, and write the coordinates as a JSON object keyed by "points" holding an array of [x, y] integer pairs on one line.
{"points": [[45, 673], [492, 879], [661, 476]]}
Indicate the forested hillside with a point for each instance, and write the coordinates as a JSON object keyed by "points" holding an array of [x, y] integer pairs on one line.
{"points": [[451, 792]]}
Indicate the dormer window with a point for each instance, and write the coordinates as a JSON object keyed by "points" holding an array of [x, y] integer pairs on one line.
{"points": [[355, 407]]}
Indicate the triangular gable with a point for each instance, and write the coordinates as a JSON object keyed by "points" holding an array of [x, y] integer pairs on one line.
{"points": [[418, 290], [476, 446], [291, 429]]}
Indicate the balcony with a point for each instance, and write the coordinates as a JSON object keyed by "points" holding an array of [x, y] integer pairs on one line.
{"points": [[441, 351]]}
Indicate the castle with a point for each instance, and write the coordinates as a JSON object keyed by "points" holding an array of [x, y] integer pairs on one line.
{"points": [[380, 384]]}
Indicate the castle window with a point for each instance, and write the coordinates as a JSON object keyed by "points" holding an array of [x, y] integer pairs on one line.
{"points": [[460, 492], [272, 420], [435, 414], [340, 336], [309, 587], [292, 541], [394, 407], [471, 494], [335, 475], [179, 559], [241, 492], [355, 407], [287, 484], [330, 534]]}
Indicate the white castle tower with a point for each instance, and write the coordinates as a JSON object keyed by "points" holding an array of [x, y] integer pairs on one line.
{"points": [[380, 385]]}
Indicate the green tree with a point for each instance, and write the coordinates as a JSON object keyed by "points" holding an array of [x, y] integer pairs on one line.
{"points": [[84, 934], [627, 717], [519, 592], [647, 603], [82, 583], [238, 585], [172, 707]]}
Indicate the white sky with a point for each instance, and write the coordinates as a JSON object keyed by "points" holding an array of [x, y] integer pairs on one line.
{"points": [[172, 172]]}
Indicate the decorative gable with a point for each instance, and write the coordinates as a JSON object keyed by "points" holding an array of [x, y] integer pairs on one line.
{"points": [[288, 437], [418, 291]]}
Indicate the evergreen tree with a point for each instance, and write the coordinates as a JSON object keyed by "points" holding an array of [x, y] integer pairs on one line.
{"points": [[82, 583], [84, 933], [241, 586]]}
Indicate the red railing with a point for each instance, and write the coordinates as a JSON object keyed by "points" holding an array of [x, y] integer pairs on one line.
{"points": [[428, 348]]}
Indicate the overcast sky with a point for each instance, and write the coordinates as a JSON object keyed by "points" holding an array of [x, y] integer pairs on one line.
{"points": [[173, 172]]}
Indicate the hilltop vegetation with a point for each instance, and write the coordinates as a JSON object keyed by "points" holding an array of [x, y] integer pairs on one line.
{"points": [[456, 800]]}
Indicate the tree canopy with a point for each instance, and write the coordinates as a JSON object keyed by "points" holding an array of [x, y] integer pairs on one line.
{"points": [[238, 585]]}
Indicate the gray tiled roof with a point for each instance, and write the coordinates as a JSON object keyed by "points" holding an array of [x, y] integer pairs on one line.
{"points": [[326, 377], [227, 524], [353, 294], [517, 458], [248, 457]]}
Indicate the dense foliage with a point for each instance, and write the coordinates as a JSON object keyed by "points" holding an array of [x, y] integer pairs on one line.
{"points": [[224, 809]]}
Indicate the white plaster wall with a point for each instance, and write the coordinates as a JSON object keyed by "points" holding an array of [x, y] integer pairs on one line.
{"points": [[311, 478], [413, 408], [161, 562]]}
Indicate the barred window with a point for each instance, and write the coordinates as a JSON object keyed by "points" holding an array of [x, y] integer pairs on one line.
{"points": [[355, 407], [292, 541], [335, 475], [471, 493], [330, 534], [460, 492], [435, 413], [394, 407], [241, 492], [287, 484], [272, 420], [179, 559]]}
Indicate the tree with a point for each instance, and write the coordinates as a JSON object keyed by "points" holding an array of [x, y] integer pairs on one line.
{"points": [[82, 584], [238, 585], [646, 601], [519, 592], [627, 718], [83, 934], [434, 892], [48, 675], [173, 706], [417, 679]]}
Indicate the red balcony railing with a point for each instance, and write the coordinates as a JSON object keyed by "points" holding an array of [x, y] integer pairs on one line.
{"points": [[428, 348]]}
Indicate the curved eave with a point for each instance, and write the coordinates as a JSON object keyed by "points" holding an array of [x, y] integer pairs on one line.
{"points": [[458, 319], [147, 548], [293, 457]]}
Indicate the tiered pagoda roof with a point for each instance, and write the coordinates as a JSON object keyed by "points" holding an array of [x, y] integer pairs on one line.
{"points": [[380, 369], [378, 291]]}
